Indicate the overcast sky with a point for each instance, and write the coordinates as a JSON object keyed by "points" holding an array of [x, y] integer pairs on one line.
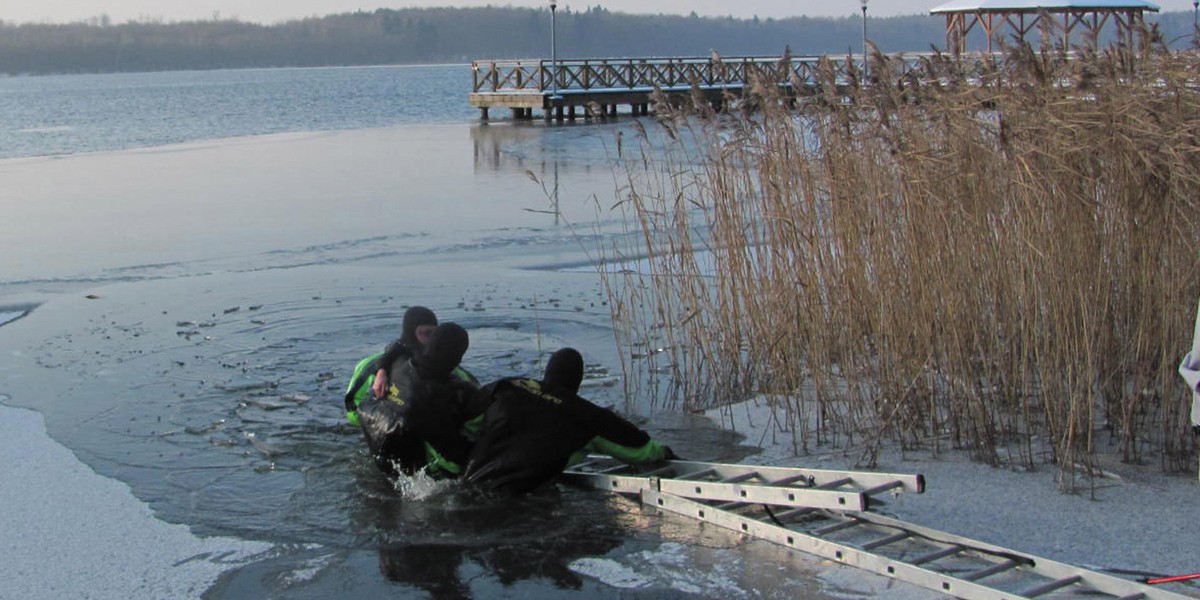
{"points": [[272, 11]]}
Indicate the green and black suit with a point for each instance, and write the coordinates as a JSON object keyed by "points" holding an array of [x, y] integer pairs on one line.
{"points": [[532, 430], [419, 422]]}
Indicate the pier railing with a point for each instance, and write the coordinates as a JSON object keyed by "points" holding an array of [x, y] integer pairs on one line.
{"points": [[598, 85], [643, 74]]}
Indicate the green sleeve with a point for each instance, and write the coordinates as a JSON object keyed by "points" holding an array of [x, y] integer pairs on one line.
{"points": [[441, 467], [466, 376], [360, 386], [473, 427], [651, 451]]}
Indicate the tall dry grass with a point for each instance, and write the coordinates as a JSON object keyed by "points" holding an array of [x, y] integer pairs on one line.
{"points": [[1001, 258]]}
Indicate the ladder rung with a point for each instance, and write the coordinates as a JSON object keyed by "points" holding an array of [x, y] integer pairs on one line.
{"points": [[1050, 586], [936, 555], [789, 480], [836, 483], [742, 477], [838, 526], [697, 474], [657, 471], [891, 539], [730, 506], [612, 469], [883, 487], [795, 512], [992, 570], [587, 463]]}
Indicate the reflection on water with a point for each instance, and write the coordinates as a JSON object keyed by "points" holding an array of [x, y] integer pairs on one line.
{"points": [[510, 540], [579, 150]]}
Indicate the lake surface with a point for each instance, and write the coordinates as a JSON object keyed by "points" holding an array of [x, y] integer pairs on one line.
{"points": [[69, 114], [195, 262]]}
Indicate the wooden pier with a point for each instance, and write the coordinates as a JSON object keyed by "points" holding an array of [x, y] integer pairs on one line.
{"points": [[595, 88]]}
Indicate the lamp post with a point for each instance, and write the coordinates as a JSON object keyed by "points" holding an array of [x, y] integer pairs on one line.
{"points": [[864, 37], [553, 52], [1195, 20]]}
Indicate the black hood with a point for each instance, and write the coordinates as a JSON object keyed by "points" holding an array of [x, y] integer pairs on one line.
{"points": [[415, 317], [564, 372], [444, 351]]}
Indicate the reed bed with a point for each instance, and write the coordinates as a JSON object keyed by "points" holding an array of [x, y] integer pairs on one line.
{"points": [[1001, 258]]}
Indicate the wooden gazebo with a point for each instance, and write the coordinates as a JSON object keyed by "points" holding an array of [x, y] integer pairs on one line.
{"points": [[1054, 19]]}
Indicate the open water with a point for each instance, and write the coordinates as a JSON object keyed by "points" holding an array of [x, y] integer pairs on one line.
{"points": [[69, 114], [195, 261]]}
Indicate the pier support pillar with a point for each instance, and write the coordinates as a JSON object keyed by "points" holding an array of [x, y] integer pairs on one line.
{"points": [[483, 113]]}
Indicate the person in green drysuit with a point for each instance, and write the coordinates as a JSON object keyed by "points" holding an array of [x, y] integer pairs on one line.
{"points": [[418, 424], [373, 374]]}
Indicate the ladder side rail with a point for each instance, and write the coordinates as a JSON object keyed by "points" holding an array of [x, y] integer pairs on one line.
{"points": [[623, 483], [741, 477], [1101, 582], [842, 553], [762, 494], [796, 512], [911, 483], [898, 569], [619, 484]]}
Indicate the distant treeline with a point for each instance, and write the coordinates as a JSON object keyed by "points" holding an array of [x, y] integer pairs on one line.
{"points": [[441, 35]]}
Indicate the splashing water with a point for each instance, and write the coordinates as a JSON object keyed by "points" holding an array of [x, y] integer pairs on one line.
{"points": [[420, 485]]}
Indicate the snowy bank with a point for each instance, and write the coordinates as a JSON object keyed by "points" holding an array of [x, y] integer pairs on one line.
{"points": [[70, 533], [1135, 520]]}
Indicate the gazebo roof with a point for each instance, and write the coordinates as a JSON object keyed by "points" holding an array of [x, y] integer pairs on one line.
{"points": [[956, 6]]}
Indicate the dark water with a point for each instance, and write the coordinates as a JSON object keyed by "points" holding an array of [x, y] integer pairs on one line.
{"points": [[210, 381], [217, 399]]}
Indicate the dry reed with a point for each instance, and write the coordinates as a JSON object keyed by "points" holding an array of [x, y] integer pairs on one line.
{"points": [[1001, 259]]}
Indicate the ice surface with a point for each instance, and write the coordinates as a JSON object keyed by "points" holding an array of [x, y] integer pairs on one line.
{"points": [[70, 533]]}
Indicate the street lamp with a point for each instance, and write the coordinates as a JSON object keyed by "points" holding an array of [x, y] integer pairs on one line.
{"points": [[554, 52], [864, 36], [1195, 20]]}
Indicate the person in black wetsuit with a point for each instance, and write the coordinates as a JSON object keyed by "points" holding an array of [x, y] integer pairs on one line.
{"points": [[373, 374], [418, 324], [532, 429], [417, 424]]}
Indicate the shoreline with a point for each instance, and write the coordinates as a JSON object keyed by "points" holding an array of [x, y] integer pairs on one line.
{"points": [[1021, 510], [65, 526]]}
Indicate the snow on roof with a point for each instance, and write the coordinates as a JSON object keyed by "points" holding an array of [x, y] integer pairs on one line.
{"points": [[1029, 5]]}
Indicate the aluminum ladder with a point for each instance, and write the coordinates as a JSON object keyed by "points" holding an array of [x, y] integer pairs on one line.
{"points": [[828, 514]]}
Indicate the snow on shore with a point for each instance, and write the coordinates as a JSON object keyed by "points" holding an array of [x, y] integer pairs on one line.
{"points": [[68, 532], [1137, 518]]}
